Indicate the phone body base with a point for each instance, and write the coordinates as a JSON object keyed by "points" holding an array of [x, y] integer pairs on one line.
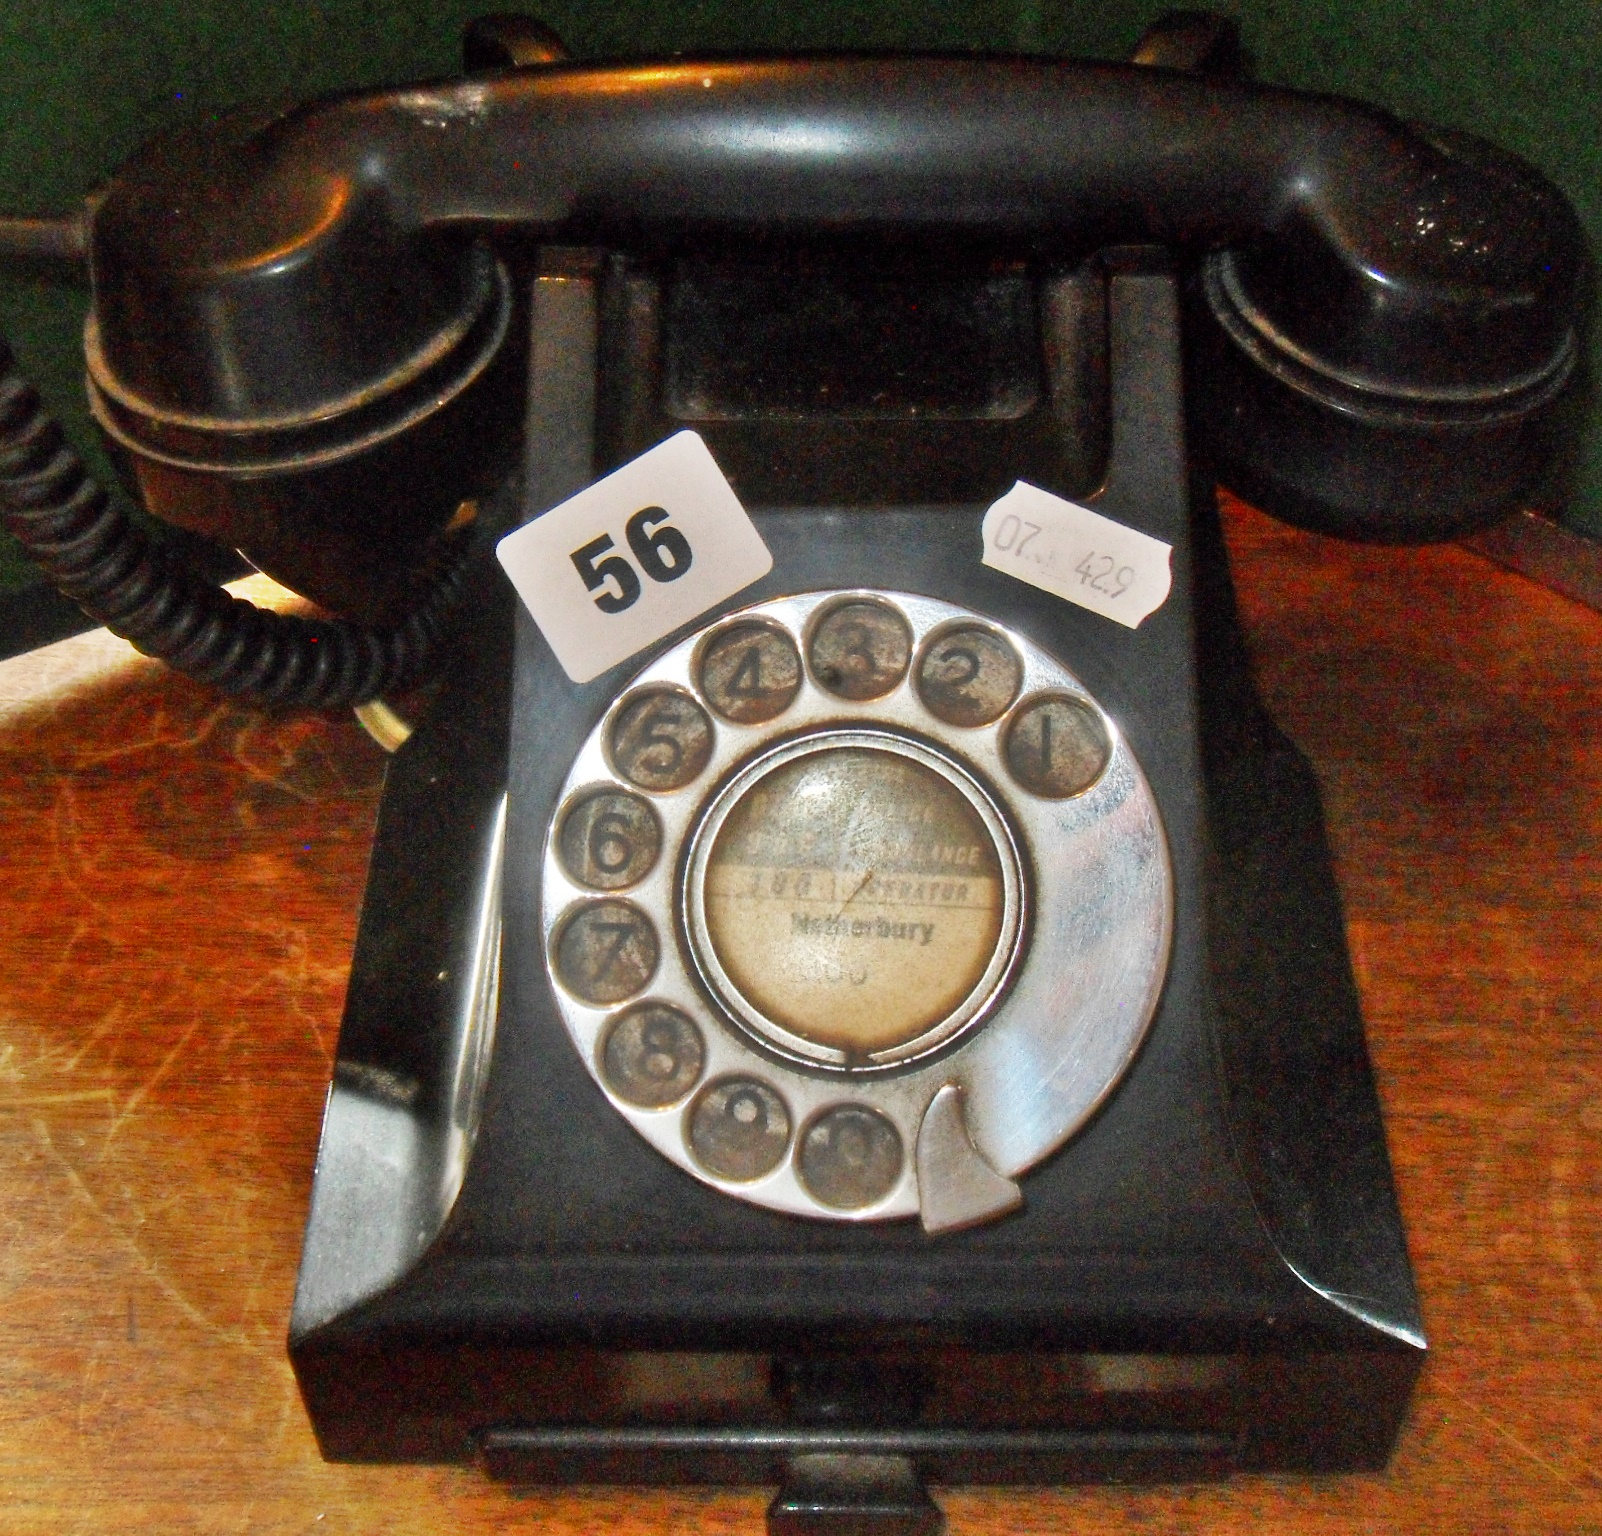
{"points": [[1211, 1276]]}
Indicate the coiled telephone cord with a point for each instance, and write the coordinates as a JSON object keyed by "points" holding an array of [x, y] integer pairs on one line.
{"points": [[97, 555]]}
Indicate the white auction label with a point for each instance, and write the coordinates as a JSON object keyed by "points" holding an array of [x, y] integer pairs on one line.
{"points": [[1074, 553], [629, 559]]}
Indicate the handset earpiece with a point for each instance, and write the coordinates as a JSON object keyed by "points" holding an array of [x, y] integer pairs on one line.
{"points": [[1403, 405], [1350, 402]]}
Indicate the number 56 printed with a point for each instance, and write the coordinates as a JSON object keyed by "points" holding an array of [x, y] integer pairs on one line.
{"points": [[632, 557], [664, 555]]}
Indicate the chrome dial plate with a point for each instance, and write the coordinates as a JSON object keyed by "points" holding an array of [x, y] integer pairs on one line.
{"points": [[832, 855]]}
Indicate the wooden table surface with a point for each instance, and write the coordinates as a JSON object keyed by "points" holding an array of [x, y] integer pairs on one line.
{"points": [[177, 906]]}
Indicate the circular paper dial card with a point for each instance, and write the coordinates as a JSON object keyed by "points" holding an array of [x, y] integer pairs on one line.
{"points": [[853, 898]]}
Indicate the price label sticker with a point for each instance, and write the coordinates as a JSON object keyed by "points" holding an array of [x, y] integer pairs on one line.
{"points": [[1074, 553], [629, 559]]}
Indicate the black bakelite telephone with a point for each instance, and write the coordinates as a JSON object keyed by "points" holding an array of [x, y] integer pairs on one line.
{"points": [[899, 888], [306, 339]]}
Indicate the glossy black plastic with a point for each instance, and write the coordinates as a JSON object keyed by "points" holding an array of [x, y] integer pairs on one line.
{"points": [[254, 266], [275, 293], [1211, 1276]]}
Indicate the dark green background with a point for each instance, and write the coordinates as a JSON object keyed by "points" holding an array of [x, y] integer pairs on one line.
{"points": [[82, 82]]}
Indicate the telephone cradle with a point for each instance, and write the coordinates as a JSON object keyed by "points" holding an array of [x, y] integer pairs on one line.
{"points": [[897, 1027]]}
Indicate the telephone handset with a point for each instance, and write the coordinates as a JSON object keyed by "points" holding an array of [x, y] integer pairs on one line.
{"points": [[305, 339], [892, 886]]}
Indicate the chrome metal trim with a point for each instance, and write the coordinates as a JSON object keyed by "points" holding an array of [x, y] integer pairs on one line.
{"points": [[1084, 985]]}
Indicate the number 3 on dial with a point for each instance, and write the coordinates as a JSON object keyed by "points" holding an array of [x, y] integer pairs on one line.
{"points": [[664, 555]]}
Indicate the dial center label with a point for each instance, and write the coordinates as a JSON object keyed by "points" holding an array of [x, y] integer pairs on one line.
{"points": [[854, 897]]}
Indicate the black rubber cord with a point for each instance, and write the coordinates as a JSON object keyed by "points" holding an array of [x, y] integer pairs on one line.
{"points": [[104, 562]]}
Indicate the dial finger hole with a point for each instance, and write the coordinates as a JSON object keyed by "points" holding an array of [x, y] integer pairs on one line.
{"points": [[968, 676], [850, 1157], [860, 650], [653, 1056], [609, 840], [1057, 747], [750, 673], [660, 739], [606, 952], [739, 1129]]}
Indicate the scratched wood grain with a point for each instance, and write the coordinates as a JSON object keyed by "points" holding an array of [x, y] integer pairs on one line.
{"points": [[179, 881]]}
